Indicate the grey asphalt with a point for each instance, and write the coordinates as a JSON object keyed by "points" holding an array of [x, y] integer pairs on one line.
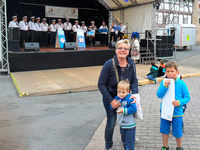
{"points": [[54, 122], [68, 121]]}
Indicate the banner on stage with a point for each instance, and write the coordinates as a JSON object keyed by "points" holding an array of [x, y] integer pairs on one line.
{"points": [[90, 33], [61, 12], [60, 39], [167, 106], [81, 39]]}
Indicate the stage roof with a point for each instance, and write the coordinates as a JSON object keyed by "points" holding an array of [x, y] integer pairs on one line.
{"points": [[120, 4]]}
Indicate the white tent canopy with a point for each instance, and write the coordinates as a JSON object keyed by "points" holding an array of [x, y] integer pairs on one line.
{"points": [[119, 4]]}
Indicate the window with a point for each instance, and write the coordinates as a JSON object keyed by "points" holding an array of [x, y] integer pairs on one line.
{"points": [[189, 19]]}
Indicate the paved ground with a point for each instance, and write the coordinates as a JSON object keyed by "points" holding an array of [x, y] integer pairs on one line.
{"points": [[68, 121], [148, 129]]}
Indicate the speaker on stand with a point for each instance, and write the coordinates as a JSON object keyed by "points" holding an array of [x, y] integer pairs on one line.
{"points": [[31, 46], [70, 46]]}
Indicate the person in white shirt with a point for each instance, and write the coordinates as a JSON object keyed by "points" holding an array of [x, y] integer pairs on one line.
{"points": [[104, 33], [68, 29], [32, 28], [45, 28], [38, 31], [91, 39], [135, 51], [122, 31], [75, 28], [52, 29], [113, 36], [59, 25], [13, 23], [23, 25], [83, 28]]}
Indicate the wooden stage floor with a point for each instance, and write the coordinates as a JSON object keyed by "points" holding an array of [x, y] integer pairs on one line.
{"points": [[44, 82]]}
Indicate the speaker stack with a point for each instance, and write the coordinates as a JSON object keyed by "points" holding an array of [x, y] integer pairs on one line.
{"points": [[14, 39], [164, 46]]}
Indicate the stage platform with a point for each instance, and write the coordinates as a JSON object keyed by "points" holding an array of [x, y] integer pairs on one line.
{"points": [[44, 82], [51, 58], [46, 49]]}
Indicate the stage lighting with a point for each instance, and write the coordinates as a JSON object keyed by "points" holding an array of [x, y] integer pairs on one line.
{"points": [[126, 0]]}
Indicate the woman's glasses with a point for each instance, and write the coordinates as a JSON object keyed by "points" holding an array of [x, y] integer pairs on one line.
{"points": [[122, 48]]}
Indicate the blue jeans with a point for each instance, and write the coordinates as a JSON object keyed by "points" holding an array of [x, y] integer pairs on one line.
{"points": [[128, 138], [150, 77], [110, 124]]}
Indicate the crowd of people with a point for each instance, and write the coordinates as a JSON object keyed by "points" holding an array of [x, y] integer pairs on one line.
{"points": [[38, 30]]}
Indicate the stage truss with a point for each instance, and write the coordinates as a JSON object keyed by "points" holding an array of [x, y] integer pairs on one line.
{"points": [[4, 38]]}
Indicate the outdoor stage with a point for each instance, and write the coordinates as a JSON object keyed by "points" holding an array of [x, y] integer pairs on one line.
{"points": [[51, 58]]}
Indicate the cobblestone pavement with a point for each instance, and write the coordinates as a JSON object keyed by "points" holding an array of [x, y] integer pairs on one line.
{"points": [[148, 129]]}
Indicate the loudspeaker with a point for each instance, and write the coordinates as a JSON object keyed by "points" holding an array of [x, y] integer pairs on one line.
{"points": [[14, 46], [70, 46], [112, 44], [31, 46], [13, 33]]}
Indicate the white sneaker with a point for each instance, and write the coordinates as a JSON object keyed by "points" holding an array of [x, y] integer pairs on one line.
{"points": [[136, 140]]}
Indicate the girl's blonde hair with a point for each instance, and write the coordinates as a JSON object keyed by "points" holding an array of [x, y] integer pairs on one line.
{"points": [[124, 84], [125, 41]]}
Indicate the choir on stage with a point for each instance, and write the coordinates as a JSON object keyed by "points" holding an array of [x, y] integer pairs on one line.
{"points": [[38, 30]]}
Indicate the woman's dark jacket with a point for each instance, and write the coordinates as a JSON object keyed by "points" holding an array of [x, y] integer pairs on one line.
{"points": [[107, 83]]}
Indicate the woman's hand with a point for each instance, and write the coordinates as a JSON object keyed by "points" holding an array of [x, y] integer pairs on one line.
{"points": [[133, 97], [115, 104]]}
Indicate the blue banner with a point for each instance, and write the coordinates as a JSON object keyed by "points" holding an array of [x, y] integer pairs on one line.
{"points": [[81, 39], [61, 38]]}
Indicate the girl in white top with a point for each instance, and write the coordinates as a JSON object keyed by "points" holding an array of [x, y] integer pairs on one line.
{"points": [[135, 52]]}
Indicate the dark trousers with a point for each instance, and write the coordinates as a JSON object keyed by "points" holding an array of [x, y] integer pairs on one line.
{"points": [[52, 39], [113, 37], [23, 37], [45, 38], [128, 138], [68, 35], [91, 40], [110, 124], [39, 37], [150, 77], [74, 36], [104, 39], [120, 35], [32, 36]]}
